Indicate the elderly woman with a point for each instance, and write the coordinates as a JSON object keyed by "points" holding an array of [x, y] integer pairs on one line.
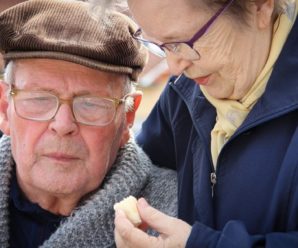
{"points": [[228, 123]]}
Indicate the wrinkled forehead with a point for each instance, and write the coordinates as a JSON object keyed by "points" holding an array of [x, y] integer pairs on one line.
{"points": [[157, 17], [65, 76]]}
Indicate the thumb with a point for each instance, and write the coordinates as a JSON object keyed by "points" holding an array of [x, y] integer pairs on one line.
{"points": [[157, 220]]}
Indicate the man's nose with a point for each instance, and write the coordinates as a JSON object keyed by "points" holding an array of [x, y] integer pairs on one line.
{"points": [[176, 64], [64, 122]]}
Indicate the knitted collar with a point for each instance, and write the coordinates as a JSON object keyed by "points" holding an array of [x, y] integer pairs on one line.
{"points": [[91, 223]]}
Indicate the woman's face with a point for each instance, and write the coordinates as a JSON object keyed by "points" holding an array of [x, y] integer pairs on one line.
{"points": [[232, 53]]}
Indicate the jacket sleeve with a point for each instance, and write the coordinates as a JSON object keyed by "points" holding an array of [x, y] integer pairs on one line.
{"points": [[235, 235], [156, 137]]}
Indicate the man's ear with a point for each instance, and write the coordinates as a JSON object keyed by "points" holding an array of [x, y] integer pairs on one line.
{"points": [[4, 123], [130, 116], [265, 9]]}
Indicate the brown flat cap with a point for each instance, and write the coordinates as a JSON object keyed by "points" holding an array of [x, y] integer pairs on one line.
{"points": [[66, 30]]}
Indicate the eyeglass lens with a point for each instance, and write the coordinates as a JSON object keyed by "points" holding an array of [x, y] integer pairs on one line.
{"points": [[43, 106]]}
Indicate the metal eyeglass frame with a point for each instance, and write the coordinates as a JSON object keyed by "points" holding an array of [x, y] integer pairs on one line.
{"points": [[14, 91]]}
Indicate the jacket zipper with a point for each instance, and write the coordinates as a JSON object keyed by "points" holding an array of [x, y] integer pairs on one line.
{"points": [[213, 182], [213, 173]]}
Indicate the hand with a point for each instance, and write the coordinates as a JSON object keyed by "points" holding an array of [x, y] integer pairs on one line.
{"points": [[173, 232]]}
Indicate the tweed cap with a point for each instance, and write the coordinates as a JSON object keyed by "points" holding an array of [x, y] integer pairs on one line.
{"points": [[66, 30]]}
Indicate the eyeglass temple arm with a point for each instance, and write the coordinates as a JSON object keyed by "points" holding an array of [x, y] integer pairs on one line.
{"points": [[208, 24]]}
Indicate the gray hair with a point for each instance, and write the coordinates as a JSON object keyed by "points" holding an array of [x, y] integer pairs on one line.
{"points": [[9, 73], [239, 8], [118, 5], [99, 7], [128, 86]]}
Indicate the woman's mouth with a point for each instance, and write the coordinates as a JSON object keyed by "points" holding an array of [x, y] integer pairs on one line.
{"points": [[202, 80]]}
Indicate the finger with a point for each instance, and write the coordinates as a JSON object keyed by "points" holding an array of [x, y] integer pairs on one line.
{"points": [[120, 243], [121, 220], [127, 235], [157, 220]]}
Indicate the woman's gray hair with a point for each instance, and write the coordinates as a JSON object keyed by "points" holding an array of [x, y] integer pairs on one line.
{"points": [[240, 8]]}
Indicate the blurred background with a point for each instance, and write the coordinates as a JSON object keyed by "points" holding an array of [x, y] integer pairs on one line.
{"points": [[152, 80]]}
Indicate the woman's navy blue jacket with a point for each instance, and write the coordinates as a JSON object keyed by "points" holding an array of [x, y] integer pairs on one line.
{"points": [[254, 202]]}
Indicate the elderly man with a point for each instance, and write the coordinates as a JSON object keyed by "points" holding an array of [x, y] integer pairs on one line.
{"points": [[66, 106]]}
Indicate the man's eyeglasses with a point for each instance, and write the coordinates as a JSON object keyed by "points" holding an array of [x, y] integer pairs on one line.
{"points": [[43, 106], [183, 49]]}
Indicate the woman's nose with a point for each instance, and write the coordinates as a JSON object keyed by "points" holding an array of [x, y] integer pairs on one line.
{"points": [[176, 64]]}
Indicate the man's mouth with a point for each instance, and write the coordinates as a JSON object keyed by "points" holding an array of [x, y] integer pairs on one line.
{"points": [[62, 157]]}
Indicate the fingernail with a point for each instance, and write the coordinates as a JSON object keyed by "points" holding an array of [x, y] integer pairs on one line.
{"points": [[143, 203]]}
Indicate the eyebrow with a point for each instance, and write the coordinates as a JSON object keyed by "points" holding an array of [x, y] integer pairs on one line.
{"points": [[165, 38]]}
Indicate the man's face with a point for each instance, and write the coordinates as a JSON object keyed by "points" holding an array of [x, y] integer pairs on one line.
{"points": [[61, 157]]}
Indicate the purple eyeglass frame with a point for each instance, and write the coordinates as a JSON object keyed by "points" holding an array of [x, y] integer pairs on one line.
{"points": [[196, 36]]}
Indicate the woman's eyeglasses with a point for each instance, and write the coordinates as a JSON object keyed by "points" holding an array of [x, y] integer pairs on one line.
{"points": [[183, 49]]}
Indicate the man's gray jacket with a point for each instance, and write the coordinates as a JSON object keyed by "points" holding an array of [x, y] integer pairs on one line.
{"points": [[91, 223]]}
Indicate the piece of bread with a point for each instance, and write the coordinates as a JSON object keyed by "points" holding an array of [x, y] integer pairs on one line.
{"points": [[129, 206]]}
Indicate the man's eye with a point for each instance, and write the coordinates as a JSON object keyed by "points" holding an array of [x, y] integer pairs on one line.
{"points": [[38, 100], [89, 104], [96, 105], [42, 99]]}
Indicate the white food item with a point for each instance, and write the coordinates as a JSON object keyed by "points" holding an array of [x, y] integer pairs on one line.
{"points": [[129, 206]]}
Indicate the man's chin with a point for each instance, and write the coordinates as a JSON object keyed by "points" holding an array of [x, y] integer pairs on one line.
{"points": [[59, 181]]}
